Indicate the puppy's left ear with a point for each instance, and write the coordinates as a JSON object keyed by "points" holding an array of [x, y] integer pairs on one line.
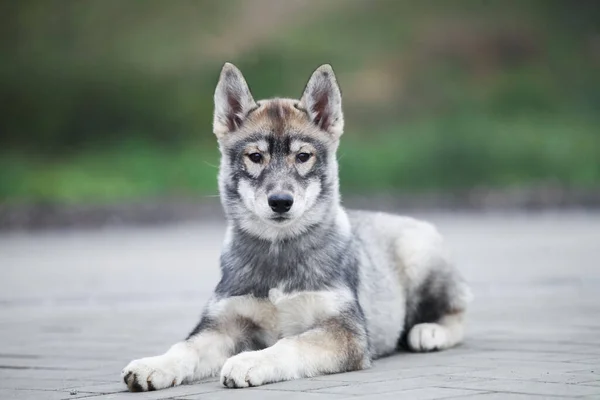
{"points": [[233, 101], [322, 100]]}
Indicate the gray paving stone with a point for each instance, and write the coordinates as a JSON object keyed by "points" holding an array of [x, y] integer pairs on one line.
{"points": [[482, 363], [104, 388], [77, 306], [305, 384], [8, 394], [62, 363], [531, 374], [46, 384], [595, 371], [256, 393], [379, 374], [59, 375], [592, 383], [529, 387], [203, 389], [512, 396], [395, 385], [23, 376], [591, 361], [428, 393]]}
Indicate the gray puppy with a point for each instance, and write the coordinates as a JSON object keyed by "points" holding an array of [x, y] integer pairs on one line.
{"points": [[307, 288]]}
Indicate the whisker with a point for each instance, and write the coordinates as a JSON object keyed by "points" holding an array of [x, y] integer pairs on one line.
{"points": [[210, 165]]}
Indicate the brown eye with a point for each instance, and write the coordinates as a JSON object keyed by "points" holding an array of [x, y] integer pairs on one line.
{"points": [[255, 157], [303, 157]]}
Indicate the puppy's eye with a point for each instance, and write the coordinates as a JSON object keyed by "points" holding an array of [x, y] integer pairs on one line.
{"points": [[255, 157], [303, 157]]}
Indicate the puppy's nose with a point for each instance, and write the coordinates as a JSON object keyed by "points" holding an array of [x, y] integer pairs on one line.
{"points": [[280, 202]]}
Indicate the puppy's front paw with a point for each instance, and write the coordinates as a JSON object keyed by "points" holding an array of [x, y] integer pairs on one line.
{"points": [[427, 337], [247, 369], [150, 373]]}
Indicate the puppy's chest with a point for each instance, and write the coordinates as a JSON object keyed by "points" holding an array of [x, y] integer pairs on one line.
{"points": [[291, 268], [286, 314]]}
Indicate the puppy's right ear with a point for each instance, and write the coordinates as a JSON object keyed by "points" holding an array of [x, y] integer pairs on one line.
{"points": [[233, 100]]}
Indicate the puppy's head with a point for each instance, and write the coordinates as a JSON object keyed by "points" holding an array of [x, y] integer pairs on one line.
{"points": [[278, 173]]}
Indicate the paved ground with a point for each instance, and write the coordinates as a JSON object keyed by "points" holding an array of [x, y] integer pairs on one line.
{"points": [[77, 306]]}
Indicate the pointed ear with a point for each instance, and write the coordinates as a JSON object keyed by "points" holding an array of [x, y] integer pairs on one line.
{"points": [[233, 100], [322, 100]]}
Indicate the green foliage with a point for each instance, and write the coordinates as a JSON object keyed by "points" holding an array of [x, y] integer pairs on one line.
{"points": [[106, 100], [467, 151], [132, 170], [459, 152]]}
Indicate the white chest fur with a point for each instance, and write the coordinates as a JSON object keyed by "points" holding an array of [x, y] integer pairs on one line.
{"points": [[281, 314]]}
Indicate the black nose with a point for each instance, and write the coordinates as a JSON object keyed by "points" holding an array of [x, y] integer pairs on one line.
{"points": [[281, 203]]}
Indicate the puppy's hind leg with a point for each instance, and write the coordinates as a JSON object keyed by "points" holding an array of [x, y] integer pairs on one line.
{"points": [[440, 335], [436, 312], [437, 295]]}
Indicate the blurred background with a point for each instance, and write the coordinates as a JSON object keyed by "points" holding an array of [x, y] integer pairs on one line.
{"points": [[108, 102]]}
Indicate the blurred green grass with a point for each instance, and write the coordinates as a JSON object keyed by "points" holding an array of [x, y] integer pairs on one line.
{"points": [[107, 101], [129, 171], [445, 154]]}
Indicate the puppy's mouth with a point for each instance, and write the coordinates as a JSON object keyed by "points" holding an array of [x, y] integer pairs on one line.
{"points": [[281, 220]]}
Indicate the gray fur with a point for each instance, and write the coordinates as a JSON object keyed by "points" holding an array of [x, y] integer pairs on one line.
{"points": [[357, 284]]}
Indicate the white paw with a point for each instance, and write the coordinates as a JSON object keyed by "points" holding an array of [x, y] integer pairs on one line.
{"points": [[247, 369], [427, 337], [151, 373]]}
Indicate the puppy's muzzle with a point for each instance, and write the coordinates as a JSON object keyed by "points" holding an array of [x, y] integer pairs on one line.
{"points": [[280, 202]]}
